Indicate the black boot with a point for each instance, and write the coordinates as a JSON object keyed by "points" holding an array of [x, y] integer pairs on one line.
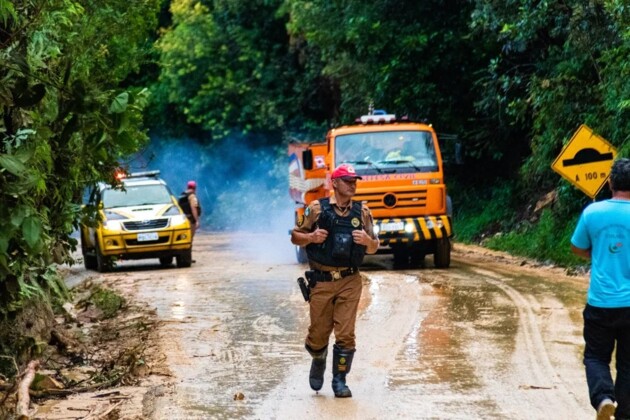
{"points": [[318, 367], [342, 361]]}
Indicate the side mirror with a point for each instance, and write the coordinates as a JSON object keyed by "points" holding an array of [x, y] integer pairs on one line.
{"points": [[307, 159]]}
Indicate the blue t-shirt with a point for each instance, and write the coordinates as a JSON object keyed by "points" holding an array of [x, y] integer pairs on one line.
{"points": [[604, 228]]}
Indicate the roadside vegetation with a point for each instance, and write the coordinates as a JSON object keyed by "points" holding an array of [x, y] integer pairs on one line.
{"points": [[68, 115], [85, 84], [500, 223]]}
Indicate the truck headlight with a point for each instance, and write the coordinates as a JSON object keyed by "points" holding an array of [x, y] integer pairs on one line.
{"points": [[409, 227], [376, 229], [113, 225], [178, 220]]}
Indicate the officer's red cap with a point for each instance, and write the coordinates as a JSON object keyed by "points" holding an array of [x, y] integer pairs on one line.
{"points": [[192, 184], [344, 171]]}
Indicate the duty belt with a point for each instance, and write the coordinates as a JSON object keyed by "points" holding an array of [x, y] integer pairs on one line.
{"points": [[333, 275]]}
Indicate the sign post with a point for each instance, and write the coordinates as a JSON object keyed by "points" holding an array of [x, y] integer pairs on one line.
{"points": [[586, 161]]}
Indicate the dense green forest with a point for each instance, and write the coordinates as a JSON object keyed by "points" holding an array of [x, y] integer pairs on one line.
{"points": [[84, 84]]}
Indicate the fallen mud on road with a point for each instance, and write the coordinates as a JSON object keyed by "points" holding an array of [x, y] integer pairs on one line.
{"points": [[494, 336], [101, 347]]}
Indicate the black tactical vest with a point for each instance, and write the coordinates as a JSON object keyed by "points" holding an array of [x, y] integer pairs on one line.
{"points": [[338, 250]]}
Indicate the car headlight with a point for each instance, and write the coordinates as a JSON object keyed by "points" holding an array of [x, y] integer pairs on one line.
{"points": [[178, 220], [112, 225], [172, 211]]}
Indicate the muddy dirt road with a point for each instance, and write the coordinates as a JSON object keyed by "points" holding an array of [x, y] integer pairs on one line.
{"points": [[491, 337]]}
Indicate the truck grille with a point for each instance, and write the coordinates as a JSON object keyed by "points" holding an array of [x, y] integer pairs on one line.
{"points": [[400, 200], [146, 224]]}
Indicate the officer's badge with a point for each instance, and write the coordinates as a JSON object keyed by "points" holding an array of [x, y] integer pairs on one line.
{"points": [[355, 222], [300, 220]]}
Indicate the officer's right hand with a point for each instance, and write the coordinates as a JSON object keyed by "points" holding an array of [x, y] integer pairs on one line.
{"points": [[318, 236]]}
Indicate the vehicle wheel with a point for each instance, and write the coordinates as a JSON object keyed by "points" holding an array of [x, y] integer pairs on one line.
{"points": [[166, 261], [185, 259], [103, 263], [401, 258], [300, 254], [442, 256], [89, 261], [416, 259]]}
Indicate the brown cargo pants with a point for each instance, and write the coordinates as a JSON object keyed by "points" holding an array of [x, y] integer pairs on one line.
{"points": [[333, 306]]}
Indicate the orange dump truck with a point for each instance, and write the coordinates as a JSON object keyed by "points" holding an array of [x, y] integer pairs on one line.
{"points": [[403, 183]]}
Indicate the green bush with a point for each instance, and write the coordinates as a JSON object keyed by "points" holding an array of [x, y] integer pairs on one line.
{"points": [[547, 240], [480, 212], [497, 218]]}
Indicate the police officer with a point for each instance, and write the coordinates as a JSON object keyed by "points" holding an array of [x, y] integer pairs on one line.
{"points": [[337, 233], [191, 206]]}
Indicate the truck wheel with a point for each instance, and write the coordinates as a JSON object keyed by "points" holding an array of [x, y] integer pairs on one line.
{"points": [[89, 261], [166, 261], [300, 254], [416, 257], [184, 259], [442, 256], [401, 258], [103, 263]]}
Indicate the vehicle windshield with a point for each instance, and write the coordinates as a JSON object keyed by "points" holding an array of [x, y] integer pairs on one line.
{"points": [[136, 195], [387, 152]]}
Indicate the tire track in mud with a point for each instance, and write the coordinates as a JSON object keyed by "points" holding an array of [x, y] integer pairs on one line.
{"points": [[533, 377]]}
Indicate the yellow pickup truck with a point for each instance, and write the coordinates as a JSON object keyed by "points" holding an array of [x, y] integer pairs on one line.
{"points": [[137, 219]]}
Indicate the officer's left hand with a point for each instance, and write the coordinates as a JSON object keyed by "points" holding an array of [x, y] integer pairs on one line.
{"points": [[361, 237]]}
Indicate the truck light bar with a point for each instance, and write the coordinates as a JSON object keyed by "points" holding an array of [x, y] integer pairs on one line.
{"points": [[149, 174], [376, 119]]}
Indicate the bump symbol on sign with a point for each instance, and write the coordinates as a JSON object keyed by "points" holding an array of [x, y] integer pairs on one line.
{"points": [[585, 161], [587, 155]]}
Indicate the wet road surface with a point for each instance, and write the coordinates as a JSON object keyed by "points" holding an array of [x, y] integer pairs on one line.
{"points": [[487, 338]]}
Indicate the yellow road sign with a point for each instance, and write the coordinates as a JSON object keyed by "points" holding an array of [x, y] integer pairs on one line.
{"points": [[585, 161]]}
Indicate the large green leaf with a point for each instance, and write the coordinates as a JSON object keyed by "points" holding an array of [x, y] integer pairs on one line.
{"points": [[12, 164], [18, 214], [119, 104], [32, 230]]}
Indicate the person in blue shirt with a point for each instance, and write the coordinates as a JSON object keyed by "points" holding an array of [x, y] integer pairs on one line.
{"points": [[603, 235]]}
